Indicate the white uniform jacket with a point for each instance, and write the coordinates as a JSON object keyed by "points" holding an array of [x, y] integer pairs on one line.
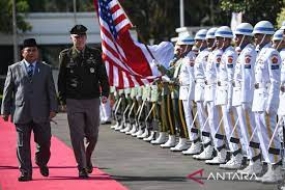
{"points": [[199, 73], [267, 80]]}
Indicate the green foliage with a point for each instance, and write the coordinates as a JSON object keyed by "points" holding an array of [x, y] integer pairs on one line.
{"points": [[6, 10], [280, 18], [235, 5], [254, 10], [158, 19]]}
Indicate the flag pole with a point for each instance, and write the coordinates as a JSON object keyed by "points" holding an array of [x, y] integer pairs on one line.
{"points": [[139, 35]]}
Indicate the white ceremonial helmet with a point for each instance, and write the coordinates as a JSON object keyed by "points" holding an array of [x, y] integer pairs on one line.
{"points": [[263, 27], [211, 33], [186, 40], [244, 29], [224, 32], [278, 35], [201, 34]]}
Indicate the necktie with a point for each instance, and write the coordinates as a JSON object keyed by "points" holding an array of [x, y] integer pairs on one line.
{"points": [[30, 71]]}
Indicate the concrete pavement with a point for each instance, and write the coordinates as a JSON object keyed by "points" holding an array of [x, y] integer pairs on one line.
{"points": [[141, 166]]}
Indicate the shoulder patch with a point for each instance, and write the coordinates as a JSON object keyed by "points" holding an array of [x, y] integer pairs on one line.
{"points": [[274, 59], [230, 59], [274, 62], [218, 59], [247, 60]]}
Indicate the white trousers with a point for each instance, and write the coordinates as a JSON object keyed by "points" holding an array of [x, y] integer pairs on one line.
{"points": [[213, 119], [247, 127], [266, 124], [203, 122], [229, 121], [187, 109]]}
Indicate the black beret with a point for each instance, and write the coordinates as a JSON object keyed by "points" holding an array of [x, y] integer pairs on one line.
{"points": [[78, 29], [29, 42]]}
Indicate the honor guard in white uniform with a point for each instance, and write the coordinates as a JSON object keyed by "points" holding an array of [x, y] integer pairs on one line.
{"points": [[200, 80], [279, 45], [186, 95], [215, 115], [243, 87], [185, 43], [225, 73], [266, 99], [281, 110]]}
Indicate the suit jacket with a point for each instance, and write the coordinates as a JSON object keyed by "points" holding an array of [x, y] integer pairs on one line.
{"points": [[29, 101]]}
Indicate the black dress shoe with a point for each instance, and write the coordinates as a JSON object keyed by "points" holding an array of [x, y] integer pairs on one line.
{"points": [[89, 168], [106, 122], [25, 177], [44, 171], [83, 173]]}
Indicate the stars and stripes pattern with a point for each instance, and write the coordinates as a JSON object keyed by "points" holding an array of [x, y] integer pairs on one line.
{"points": [[128, 62]]}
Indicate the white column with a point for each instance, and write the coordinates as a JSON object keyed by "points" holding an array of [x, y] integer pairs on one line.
{"points": [[182, 13], [15, 35], [74, 12]]}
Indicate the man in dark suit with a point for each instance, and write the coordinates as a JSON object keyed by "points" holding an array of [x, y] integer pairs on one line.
{"points": [[81, 75], [30, 97]]}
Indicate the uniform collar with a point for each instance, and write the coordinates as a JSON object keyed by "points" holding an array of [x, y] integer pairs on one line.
{"points": [[78, 51]]}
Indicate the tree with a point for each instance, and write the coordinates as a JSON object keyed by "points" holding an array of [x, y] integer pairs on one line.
{"points": [[280, 17], [6, 7], [158, 19], [254, 10], [148, 17]]}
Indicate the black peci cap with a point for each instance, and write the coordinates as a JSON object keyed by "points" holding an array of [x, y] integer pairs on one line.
{"points": [[30, 42], [78, 29]]}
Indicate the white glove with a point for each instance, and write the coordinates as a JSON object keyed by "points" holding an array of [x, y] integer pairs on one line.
{"points": [[165, 78], [244, 106], [268, 110]]}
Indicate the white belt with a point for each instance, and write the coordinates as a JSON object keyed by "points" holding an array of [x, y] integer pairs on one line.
{"points": [[222, 83], [209, 83], [236, 84], [261, 85], [199, 80]]}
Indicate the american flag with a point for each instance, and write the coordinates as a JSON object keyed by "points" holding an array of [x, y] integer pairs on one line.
{"points": [[128, 62]]}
